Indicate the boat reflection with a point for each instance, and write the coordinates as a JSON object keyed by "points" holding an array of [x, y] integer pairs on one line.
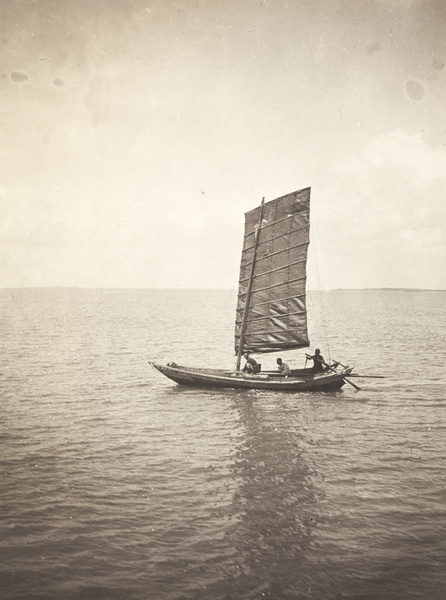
{"points": [[274, 500]]}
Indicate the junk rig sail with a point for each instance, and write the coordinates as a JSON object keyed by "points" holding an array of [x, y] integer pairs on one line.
{"points": [[271, 309]]}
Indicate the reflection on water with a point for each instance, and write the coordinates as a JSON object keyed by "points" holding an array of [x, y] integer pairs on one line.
{"points": [[274, 501], [118, 484]]}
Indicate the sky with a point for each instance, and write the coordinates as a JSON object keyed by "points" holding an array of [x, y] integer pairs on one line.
{"points": [[135, 134]]}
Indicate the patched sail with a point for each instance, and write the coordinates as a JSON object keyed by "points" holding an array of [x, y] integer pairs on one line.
{"points": [[271, 308]]}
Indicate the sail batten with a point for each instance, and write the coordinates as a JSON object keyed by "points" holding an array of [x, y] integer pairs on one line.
{"points": [[264, 305], [298, 262], [272, 297], [248, 235]]}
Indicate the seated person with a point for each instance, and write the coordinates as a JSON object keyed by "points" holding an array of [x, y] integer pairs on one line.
{"points": [[283, 367], [252, 367]]}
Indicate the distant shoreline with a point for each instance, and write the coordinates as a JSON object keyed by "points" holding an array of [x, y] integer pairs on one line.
{"points": [[175, 289], [385, 289]]}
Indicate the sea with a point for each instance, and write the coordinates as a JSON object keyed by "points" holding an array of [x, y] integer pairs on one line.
{"points": [[118, 484]]}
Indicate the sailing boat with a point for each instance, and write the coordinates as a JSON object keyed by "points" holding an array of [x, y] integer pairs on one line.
{"points": [[271, 313]]}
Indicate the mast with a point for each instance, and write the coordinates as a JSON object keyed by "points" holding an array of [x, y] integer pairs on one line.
{"points": [[248, 291]]}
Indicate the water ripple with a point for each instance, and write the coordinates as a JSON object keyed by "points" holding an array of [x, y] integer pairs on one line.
{"points": [[118, 484]]}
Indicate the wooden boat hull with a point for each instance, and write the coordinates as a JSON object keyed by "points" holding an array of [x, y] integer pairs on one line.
{"points": [[306, 381]]}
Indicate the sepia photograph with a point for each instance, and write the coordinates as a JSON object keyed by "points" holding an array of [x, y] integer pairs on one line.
{"points": [[222, 300]]}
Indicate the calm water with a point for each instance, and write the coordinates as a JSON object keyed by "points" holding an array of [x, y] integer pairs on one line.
{"points": [[118, 484]]}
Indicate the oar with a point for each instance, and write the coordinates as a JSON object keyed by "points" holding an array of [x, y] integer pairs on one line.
{"points": [[344, 378], [363, 376], [367, 376]]}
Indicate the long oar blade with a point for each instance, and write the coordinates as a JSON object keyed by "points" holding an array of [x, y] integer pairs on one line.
{"points": [[351, 383], [367, 376], [344, 378]]}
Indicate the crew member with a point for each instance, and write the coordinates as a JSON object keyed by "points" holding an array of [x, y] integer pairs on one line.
{"points": [[318, 361], [252, 367], [283, 367]]}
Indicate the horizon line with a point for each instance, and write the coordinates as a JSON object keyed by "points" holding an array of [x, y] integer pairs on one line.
{"points": [[80, 287]]}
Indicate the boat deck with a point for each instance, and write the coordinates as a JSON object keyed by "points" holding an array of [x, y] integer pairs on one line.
{"points": [[300, 380]]}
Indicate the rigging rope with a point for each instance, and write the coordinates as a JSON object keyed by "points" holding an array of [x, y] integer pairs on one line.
{"points": [[317, 309]]}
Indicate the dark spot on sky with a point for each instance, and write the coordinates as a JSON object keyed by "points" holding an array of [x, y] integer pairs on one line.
{"points": [[373, 48], [58, 82], [19, 77], [414, 89]]}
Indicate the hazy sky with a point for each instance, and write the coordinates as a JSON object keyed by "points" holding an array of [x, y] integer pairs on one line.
{"points": [[136, 133]]}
